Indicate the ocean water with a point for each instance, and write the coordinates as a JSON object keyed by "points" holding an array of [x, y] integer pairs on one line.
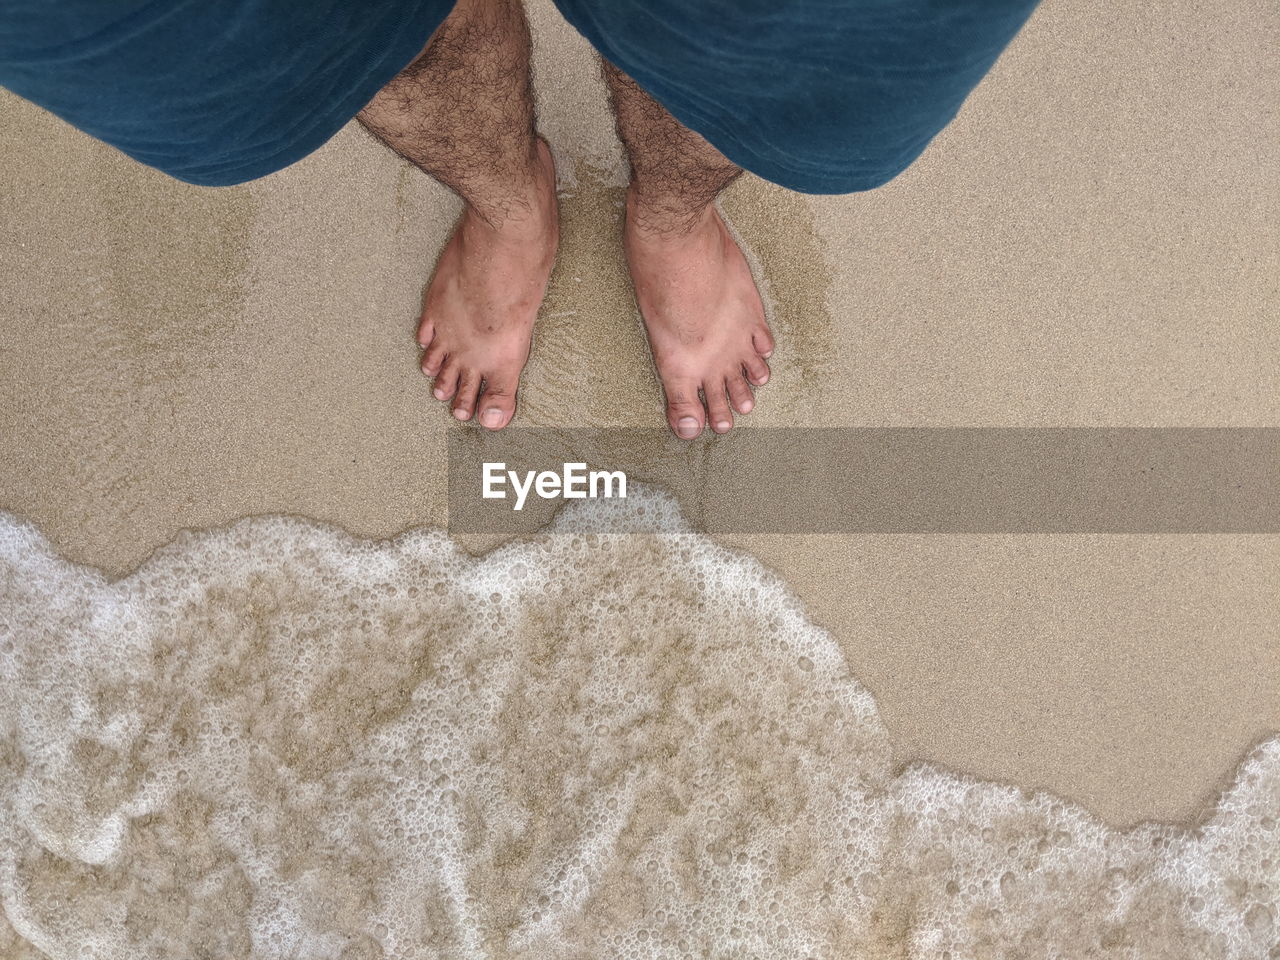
{"points": [[275, 740]]}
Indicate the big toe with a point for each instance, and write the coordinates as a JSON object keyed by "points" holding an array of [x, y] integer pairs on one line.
{"points": [[497, 402], [684, 409]]}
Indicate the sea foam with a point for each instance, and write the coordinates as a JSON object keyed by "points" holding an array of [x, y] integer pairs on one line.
{"points": [[275, 740]]}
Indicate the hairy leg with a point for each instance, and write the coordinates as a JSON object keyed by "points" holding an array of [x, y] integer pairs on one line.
{"points": [[463, 113], [701, 309]]}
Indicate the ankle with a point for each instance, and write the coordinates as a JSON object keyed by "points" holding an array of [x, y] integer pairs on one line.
{"points": [[523, 205], [664, 217]]}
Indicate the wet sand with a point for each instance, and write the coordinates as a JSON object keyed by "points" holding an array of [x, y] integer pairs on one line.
{"points": [[1092, 242]]}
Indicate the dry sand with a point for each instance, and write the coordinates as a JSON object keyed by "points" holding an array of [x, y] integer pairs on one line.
{"points": [[1093, 242]]}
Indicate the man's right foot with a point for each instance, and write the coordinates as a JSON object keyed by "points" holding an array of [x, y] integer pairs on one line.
{"points": [[478, 315], [703, 315]]}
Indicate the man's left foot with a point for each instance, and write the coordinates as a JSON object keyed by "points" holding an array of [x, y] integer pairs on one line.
{"points": [[704, 318], [481, 304]]}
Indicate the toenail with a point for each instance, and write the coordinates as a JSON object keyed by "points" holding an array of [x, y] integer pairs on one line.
{"points": [[440, 394], [688, 427], [491, 417], [462, 413], [747, 405], [723, 425]]}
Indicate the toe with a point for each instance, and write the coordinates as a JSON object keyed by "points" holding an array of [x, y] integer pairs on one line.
{"points": [[464, 404], [426, 332], [757, 370], [446, 381], [497, 403], [684, 409], [717, 406], [762, 340], [740, 394], [433, 359]]}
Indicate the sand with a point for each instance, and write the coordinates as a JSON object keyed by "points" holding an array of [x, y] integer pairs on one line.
{"points": [[1092, 242]]}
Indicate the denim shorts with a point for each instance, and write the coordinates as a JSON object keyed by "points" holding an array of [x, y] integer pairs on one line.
{"points": [[822, 96]]}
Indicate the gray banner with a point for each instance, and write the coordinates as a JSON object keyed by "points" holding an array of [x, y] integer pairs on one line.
{"points": [[884, 480]]}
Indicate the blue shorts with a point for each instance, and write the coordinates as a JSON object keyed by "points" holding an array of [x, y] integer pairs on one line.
{"points": [[822, 96]]}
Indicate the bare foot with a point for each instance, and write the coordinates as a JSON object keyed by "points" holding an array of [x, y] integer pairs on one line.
{"points": [[704, 318], [478, 315]]}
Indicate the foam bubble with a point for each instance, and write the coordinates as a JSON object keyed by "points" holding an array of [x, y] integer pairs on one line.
{"points": [[275, 740]]}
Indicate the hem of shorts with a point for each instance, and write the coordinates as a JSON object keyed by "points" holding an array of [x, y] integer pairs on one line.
{"points": [[411, 35], [830, 182], [812, 178]]}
